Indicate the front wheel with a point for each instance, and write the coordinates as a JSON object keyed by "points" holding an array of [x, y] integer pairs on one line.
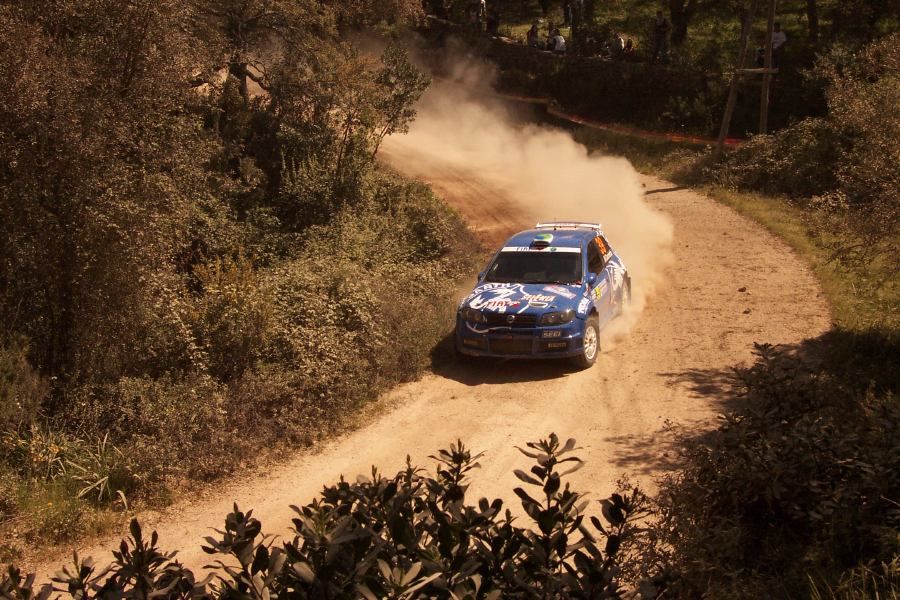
{"points": [[590, 346]]}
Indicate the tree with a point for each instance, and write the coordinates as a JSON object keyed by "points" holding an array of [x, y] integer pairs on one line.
{"points": [[401, 86], [252, 35], [101, 160], [681, 13], [812, 18]]}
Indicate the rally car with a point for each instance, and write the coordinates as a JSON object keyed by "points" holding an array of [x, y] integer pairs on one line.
{"points": [[546, 293]]}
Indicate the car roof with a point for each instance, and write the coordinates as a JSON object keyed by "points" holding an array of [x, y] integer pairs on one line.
{"points": [[562, 238]]}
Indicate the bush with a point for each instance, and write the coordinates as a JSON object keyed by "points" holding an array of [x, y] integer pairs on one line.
{"points": [[410, 535], [797, 161], [801, 481], [232, 316], [9, 493], [22, 390], [161, 425]]}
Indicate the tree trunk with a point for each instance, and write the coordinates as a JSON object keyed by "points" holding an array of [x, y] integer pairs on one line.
{"points": [[812, 17], [589, 9], [239, 71], [681, 12]]}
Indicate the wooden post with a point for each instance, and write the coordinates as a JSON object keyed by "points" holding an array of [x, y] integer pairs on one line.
{"points": [[767, 75], [735, 81]]}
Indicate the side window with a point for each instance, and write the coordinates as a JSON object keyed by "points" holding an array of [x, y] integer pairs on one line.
{"points": [[595, 259], [603, 245]]}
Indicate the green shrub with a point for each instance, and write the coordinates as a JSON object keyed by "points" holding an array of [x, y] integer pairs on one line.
{"points": [[800, 481], [406, 536], [797, 161], [9, 493], [159, 424], [231, 317], [22, 390]]}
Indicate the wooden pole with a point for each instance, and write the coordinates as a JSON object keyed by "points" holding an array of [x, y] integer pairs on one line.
{"points": [[767, 75], [735, 81]]}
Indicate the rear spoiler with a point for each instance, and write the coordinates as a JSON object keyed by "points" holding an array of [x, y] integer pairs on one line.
{"points": [[568, 225]]}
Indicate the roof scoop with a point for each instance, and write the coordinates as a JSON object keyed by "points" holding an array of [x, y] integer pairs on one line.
{"points": [[542, 240]]}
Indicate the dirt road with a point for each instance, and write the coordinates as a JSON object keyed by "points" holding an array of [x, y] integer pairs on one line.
{"points": [[695, 326]]}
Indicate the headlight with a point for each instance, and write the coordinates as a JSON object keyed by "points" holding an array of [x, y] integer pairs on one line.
{"points": [[558, 318], [473, 315]]}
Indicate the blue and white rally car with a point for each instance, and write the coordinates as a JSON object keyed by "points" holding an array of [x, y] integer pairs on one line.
{"points": [[546, 294]]}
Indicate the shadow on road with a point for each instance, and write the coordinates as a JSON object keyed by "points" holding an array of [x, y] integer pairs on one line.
{"points": [[722, 385], [646, 454], [491, 371], [676, 188]]}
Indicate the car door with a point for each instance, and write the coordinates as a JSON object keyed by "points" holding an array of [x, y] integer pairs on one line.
{"points": [[601, 291]]}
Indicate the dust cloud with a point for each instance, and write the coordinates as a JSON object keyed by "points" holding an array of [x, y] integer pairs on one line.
{"points": [[542, 171]]}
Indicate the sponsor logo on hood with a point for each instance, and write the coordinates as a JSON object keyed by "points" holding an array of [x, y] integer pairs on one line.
{"points": [[518, 297]]}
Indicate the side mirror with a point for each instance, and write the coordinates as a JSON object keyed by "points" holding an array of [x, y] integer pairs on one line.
{"points": [[481, 276], [591, 279]]}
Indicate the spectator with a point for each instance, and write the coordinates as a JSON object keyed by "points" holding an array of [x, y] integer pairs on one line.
{"points": [[474, 17], [779, 39], [618, 44], [661, 30], [558, 42], [567, 13], [531, 38], [493, 22]]}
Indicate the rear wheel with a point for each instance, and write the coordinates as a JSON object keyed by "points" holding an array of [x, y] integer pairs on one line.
{"points": [[590, 346]]}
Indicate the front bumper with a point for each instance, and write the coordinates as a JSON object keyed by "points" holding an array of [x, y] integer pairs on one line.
{"points": [[507, 342]]}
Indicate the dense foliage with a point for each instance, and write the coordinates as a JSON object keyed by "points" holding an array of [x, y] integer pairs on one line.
{"points": [[196, 242], [406, 536], [797, 489]]}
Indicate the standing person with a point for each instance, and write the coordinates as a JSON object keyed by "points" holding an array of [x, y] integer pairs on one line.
{"points": [[531, 38], [567, 13], [661, 30], [493, 22], [779, 39], [618, 44]]}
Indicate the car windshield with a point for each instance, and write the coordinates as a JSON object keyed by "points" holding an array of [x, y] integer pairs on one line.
{"points": [[535, 267]]}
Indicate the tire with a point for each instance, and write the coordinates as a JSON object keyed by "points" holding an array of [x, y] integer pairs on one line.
{"points": [[590, 347]]}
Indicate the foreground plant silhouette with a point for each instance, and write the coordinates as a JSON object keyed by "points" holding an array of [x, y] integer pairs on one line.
{"points": [[410, 535]]}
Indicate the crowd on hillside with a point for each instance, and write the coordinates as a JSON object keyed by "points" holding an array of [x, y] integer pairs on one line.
{"points": [[586, 39], [548, 36]]}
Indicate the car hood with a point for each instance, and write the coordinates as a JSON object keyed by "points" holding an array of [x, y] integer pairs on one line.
{"points": [[522, 297]]}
